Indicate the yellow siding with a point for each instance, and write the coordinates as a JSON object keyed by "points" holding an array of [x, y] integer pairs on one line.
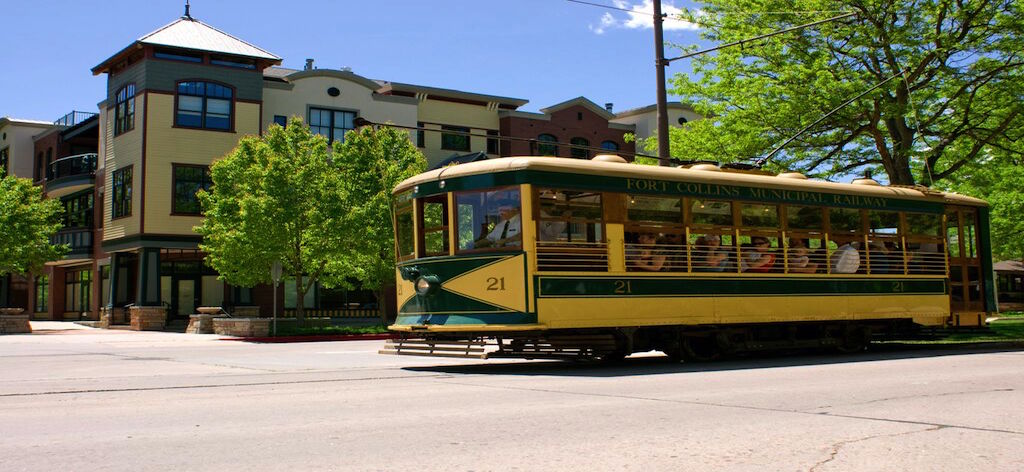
{"points": [[612, 311], [166, 145], [435, 113], [120, 152]]}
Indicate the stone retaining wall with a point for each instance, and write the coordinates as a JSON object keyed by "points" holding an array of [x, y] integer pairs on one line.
{"points": [[242, 327], [14, 321], [148, 318]]}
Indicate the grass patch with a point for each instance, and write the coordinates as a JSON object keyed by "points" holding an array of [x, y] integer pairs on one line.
{"points": [[333, 330], [1011, 314], [1002, 330]]}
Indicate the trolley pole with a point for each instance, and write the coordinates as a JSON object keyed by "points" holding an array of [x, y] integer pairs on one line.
{"points": [[660, 63]]}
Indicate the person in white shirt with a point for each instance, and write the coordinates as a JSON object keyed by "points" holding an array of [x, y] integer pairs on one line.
{"points": [[508, 230], [846, 259]]}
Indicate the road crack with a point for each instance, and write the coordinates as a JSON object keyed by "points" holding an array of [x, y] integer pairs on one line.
{"points": [[834, 452]]}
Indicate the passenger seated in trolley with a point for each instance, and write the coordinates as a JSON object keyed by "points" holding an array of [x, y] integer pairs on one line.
{"points": [[646, 256], [758, 257], [507, 231], [709, 256], [800, 257], [846, 259]]}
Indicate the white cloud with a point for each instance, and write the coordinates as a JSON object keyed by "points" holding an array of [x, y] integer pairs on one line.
{"points": [[641, 16]]}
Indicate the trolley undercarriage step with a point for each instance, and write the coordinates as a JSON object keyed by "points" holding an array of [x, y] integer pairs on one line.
{"points": [[435, 348]]}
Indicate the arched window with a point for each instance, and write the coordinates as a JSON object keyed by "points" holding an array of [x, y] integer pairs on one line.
{"points": [[609, 145], [204, 105], [580, 152], [546, 145]]}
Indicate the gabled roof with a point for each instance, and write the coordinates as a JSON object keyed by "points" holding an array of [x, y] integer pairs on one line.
{"points": [[581, 101], [189, 33], [654, 108], [1008, 266]]}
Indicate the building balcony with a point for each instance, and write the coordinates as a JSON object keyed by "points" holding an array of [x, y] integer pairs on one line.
{"points": [[71, 174], [74, 118], [78, 240]]}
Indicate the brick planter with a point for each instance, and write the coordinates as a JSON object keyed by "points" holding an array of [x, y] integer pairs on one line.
{"points": [[14, 321], [242, 327], [148, 318], [200, 324]]}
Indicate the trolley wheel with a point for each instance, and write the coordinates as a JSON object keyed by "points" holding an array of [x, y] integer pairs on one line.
{"points": [[700, 348], [853, 340]]}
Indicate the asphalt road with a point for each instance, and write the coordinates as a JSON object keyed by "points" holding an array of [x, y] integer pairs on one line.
{"points": [[85, 399]]}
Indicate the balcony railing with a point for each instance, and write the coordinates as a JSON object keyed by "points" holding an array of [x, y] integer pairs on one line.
{"points": [[79, 241], [74, 118], [80, 164]]}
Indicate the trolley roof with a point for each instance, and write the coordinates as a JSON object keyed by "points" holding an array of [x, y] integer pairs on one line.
{"points": [[697, 175]]}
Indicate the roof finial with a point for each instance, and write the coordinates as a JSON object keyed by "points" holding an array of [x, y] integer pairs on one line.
{"points": [[186, 10]]}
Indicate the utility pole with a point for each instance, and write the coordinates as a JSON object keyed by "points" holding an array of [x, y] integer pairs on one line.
{"points": [[660, 63]]}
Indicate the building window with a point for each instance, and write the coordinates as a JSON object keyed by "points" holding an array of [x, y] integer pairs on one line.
{"points": [[124, 111], [420, 138], [331, 124], [42, 293], [203, 105], [233, 62], [49, 160], [40, 170], [4, 161], [281, 120], [547, 145], [104, 285], [681, 121], [188, 181], [77, 290], [78, 211], [453, 141], [176, 56], [609, 145], [492, 142], [121, 194], [580, 148]]}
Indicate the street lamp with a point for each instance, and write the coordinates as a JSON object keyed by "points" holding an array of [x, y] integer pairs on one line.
{"points": [[275, 275]]}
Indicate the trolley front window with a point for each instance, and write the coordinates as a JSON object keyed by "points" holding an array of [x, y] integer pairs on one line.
{"points": [[489, 220], [404, 235]]}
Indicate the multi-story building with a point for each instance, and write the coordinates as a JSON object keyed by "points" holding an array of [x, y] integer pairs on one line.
{"points": [[181, 97]]}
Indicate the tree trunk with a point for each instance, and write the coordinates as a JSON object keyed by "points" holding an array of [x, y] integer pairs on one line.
{"points": [[382, 305], [300, 298]]}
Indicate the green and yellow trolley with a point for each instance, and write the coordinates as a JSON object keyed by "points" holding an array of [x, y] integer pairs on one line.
{"points": [[535, 257]]}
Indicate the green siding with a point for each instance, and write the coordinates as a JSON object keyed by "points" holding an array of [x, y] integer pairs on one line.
{"points": [[985, 253], [561, 287], [162, 75]]}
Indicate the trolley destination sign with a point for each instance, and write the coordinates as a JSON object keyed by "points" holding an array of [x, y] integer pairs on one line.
{"points": [[755, 193], [609, 183]]}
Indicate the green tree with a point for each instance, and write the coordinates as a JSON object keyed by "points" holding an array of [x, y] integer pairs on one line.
{"points": [[277, 197], [28, 221], [373, 161], [957, 93], [998, 180]]}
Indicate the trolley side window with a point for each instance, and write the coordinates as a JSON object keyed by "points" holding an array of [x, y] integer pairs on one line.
{"points": [[570, 231], [433, 221], [489, 220], [655, 234], [404, 234]]}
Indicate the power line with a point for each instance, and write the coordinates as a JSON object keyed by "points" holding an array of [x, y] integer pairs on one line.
{"points": [[610, 7], [750, 13]]}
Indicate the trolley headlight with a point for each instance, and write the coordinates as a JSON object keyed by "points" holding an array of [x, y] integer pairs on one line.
{"points": [[427, 284]]}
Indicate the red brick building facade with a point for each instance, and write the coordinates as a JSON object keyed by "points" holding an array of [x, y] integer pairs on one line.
{"points": [[576, 128]]}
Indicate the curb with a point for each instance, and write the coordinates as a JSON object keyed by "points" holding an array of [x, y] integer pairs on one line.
{"points": [[313, 338]]}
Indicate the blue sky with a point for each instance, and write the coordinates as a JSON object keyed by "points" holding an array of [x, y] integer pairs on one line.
{"points": [[545, 51]]}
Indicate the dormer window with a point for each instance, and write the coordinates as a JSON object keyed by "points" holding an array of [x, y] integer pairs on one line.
{"points": [[204, 105]]}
